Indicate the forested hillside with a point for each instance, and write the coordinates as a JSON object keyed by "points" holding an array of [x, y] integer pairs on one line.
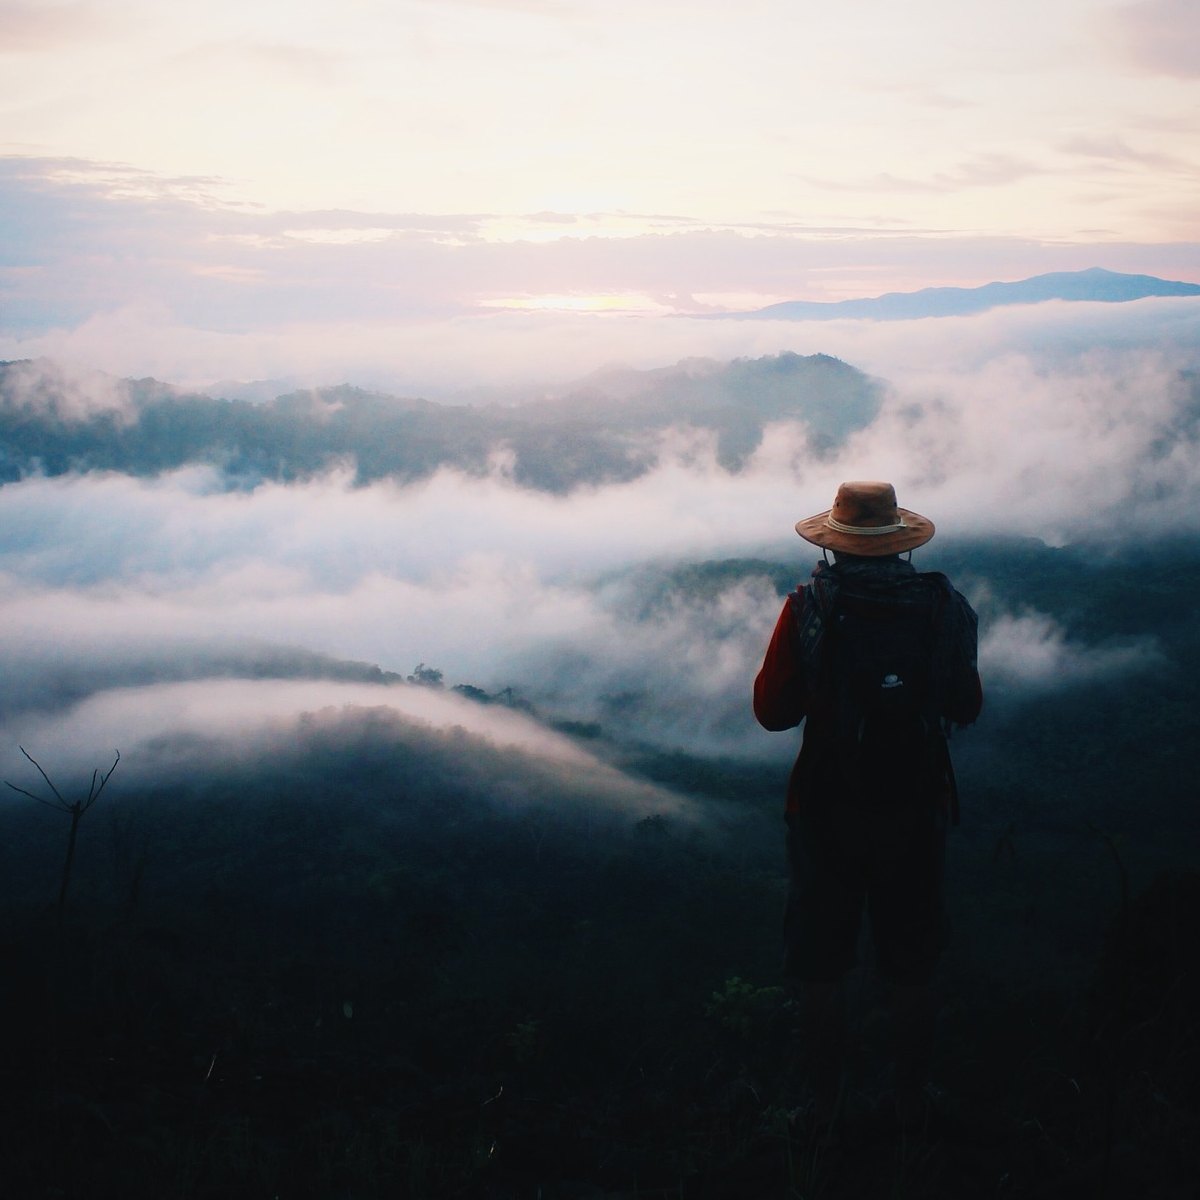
{"points": [[605, 428]]}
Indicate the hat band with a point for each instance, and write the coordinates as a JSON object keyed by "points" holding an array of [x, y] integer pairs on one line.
{"points": [[864, 530]]}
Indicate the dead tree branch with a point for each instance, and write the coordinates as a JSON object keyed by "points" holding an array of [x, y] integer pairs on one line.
{"points": [[74, 810]]}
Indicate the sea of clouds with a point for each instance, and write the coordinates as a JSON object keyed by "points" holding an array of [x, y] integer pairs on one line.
{"points": [[125, 601]]}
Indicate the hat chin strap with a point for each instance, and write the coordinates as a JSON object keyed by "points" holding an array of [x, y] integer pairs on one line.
{"points": [[864, 530]]}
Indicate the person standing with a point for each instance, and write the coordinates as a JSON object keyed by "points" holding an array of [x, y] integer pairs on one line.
{"points": [[879, 662]]}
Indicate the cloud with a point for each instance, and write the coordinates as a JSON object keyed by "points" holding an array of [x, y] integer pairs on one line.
{"points": [[1159, 36], [140, 274], [1121, 156], [147, 607], [41, 27], [140, 717], [492, 583], [985, 171], [1033, 651], [220, 730], [308, 66], [552, 8], [1053, 442], [1099, 445], [106, 578], [534, 351], [676, 677], [63, 392]]}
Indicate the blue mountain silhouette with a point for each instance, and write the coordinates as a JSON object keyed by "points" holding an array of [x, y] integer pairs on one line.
{"points": [[1095, 284]]}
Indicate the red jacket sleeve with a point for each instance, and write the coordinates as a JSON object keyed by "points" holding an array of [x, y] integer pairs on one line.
{"points": [[779, 690]]}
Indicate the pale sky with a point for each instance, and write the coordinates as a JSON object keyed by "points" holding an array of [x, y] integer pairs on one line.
{"points": [[257, 165]]}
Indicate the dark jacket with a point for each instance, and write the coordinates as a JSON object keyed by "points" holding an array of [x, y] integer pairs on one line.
{"points": [[792, 687]]}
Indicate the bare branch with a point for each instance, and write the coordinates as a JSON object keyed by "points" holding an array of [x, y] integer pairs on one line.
{"points": [[93, 797], [76, 811], [39, 799], [46, 777]]}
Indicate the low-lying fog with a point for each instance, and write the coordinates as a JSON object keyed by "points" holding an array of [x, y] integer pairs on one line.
{"points": [[130, 604]]}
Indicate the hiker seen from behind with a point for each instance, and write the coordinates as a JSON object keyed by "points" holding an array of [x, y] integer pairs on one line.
{"points": [[878, 660]]}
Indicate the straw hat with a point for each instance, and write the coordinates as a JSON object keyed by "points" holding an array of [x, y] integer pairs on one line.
{"points": [[866, 520]]}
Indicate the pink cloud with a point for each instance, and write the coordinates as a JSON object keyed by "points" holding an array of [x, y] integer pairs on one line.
{"points": [[1160, 36]]}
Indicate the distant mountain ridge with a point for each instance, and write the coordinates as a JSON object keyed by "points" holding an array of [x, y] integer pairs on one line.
{"points": [[605, 428], [1095, 284]]}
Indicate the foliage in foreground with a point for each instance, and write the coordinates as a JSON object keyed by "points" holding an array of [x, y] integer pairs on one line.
{"points": [[374, 993]]}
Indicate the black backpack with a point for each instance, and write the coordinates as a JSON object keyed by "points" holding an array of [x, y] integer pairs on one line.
{"points": [[885, 726]]}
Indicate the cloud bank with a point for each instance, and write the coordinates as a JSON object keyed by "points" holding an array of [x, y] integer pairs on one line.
{"points": [[1032, 650], [1157, 36], [125, 596], [223, 730]]}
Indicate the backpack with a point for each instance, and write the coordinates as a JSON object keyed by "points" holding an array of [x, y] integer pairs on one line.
{"points": [[885, 727]]}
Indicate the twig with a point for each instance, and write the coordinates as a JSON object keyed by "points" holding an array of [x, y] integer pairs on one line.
{"points": [[75, 811]]}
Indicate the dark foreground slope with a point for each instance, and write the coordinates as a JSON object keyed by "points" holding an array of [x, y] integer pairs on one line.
{"points": [[344, 996]]}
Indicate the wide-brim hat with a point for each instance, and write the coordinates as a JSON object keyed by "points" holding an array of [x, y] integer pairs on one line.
{"points": [[866, 520]]}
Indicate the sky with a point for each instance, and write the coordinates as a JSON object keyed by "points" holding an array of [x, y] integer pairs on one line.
{"points": [[216, 188]]}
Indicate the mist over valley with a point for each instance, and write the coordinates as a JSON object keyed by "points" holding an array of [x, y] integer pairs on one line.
{"points": [[609, 554]]}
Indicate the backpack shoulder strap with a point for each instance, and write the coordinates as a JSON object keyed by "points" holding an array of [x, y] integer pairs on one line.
{"points": [[812, 608], [956, 644]]}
